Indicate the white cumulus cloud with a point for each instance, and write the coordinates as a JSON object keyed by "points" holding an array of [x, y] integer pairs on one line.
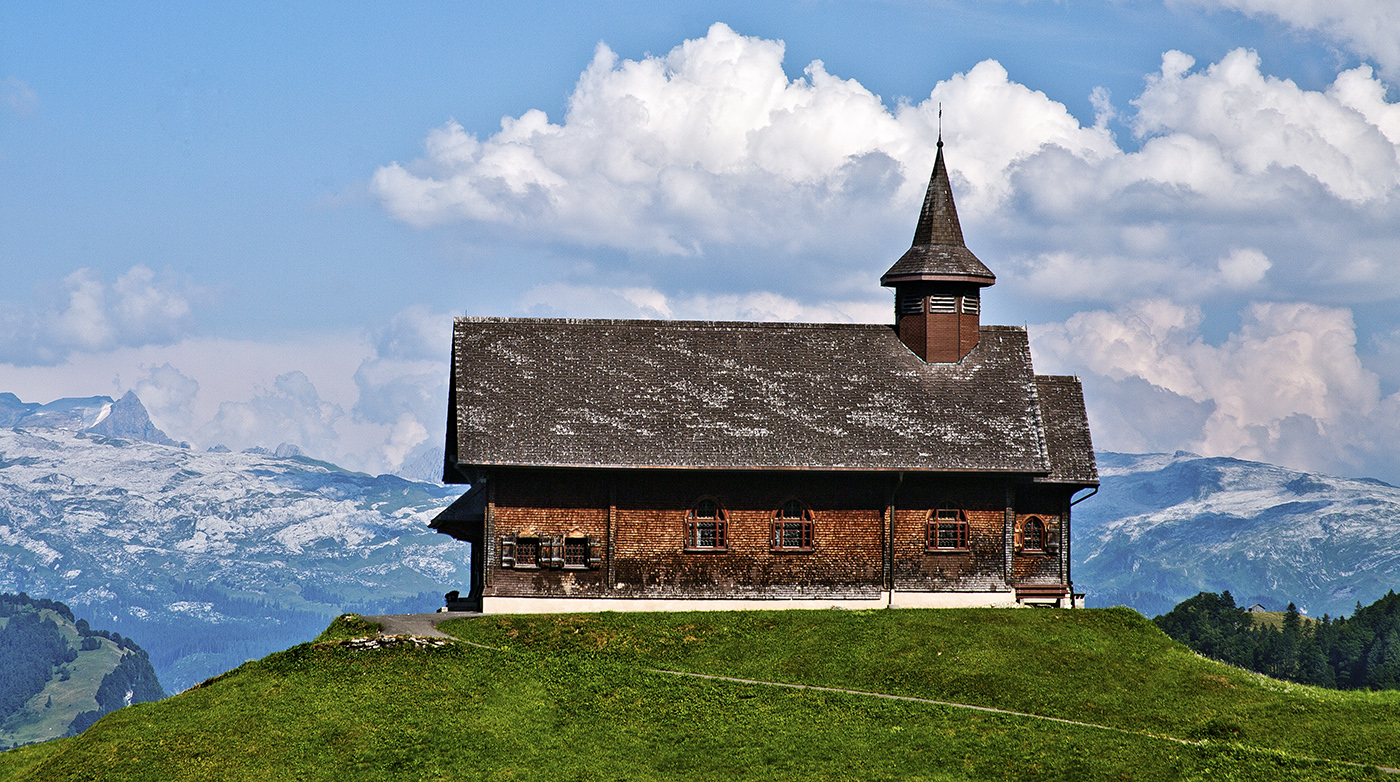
{"points": [[1288, 387], [1370, 28], [89, 314], [712, 144], [711, 150], [291, 411]]}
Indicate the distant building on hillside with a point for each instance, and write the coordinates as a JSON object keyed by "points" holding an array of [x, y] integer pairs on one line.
{"points": [[633, 464], [1257, 608]]}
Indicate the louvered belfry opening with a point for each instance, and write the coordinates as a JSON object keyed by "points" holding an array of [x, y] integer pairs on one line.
{"points": [[938, 282]]}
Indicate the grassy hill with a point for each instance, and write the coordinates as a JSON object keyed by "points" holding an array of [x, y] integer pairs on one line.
{"points": [[587, 697], [57, 676]]}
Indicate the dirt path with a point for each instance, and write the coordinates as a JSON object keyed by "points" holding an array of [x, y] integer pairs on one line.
{"points": [[424, 625], [951, 704]]}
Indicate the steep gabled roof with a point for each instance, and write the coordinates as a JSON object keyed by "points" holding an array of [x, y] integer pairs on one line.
{"points": [[1066, 426], [938, 252], [716, 395]]}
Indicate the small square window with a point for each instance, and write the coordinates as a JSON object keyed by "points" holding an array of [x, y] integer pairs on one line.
{"points": [[575, 552], [527, 552], [947, 530]]}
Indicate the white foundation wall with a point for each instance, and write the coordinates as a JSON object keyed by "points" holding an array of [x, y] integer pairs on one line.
{"points": [[565, 605]]}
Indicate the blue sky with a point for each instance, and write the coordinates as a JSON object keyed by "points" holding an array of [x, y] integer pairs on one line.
{"points": [[261, 218]]}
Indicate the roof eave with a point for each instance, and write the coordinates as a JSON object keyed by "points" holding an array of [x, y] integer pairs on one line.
{"points": [[891, 280], [753, 468]]}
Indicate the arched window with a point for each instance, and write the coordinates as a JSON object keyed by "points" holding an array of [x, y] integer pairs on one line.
{"points": [[792, 527], [705, 528], [1033, 535], [947, 530]]}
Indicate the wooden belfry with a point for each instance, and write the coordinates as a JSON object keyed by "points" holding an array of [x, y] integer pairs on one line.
{"points": [[937, 283]]}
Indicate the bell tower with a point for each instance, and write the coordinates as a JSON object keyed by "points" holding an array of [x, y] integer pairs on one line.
{"points": [[938, 282]]}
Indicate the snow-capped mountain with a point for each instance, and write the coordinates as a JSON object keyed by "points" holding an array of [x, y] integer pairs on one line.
{"points": [[1165, 527], [210, 558]]}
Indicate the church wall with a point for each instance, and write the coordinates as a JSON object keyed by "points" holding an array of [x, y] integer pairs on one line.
{"points": [[982, 566], [649, 556], [544, 504], [649, 512], [650, 548]]}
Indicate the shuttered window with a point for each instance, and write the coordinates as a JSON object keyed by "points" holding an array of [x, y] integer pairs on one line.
{"points": [[575, 552], [943, 303], [551, 552], [527, 552], [908, 304], [972, 305]]}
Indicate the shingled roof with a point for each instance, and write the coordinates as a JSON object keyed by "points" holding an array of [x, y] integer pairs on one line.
{"points": [[1066, 426], [722, 395], [938, 252]]}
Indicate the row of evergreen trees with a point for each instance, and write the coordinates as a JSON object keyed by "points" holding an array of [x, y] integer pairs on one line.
{"points": [[31, 648], [1357, 653], [34, 649]]}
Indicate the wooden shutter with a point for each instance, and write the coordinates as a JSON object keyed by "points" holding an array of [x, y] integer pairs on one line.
{"points": [[1052, 541], [508, 551], [1020, 541], [555, 559], [595, 553]]}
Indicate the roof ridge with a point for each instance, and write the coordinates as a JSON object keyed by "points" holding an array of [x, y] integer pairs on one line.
{"points": [[653, 323]]}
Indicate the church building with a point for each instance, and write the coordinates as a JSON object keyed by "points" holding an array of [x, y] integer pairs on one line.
{"points": [[686, 465]]}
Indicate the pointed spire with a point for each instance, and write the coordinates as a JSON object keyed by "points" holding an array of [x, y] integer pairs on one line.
{"points": [[938, 252], [938, 222]]}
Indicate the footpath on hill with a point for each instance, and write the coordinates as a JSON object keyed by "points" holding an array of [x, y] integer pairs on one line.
{"points": [[417, 624], [425, 625], [761, 695]]}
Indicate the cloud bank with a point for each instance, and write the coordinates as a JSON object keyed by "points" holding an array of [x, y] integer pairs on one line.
{"points": [[1288, 387], [1218, 192], [86, 313], [1370, 28]]}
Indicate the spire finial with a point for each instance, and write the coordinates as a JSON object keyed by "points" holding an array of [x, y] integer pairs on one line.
{"points": [[940, 124]]}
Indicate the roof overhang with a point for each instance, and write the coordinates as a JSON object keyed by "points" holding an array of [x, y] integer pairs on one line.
{"points": [[891, 280], [467, 469]]}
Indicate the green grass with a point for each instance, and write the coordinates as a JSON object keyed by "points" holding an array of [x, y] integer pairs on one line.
{"points": [[348, 626], [1109, 667], [574, 697], [65, 697], [1274, 619]]}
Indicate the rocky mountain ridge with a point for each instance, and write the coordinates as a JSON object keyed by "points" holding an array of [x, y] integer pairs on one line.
{"points": [[210, 558], [1164, 527]]}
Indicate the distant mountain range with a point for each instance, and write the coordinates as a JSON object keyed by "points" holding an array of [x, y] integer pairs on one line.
{"points": [[101, 415], [215, 557], [210, 558], [1165, 527]]}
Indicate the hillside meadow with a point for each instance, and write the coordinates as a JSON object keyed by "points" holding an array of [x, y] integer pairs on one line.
{"points": [[594, 696]]}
